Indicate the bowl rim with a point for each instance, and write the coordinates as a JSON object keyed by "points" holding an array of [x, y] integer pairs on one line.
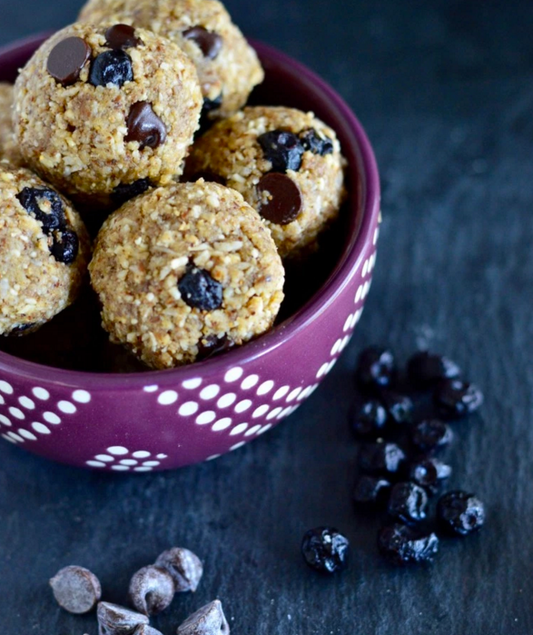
{"points": [[338, 280]]}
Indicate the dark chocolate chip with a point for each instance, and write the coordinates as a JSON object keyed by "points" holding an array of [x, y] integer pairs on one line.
{"points": [[46, 206], [283, 149], [122, 36], [23, 329], [316, 144], [184, 566], [210, 43], [76, 589], [117, 620], [65, 246], [280, 198], [145, 126], [199, 290], [111, 67], [67, 59], [152, 590], [126, 191], [209, 620], [206, 176]]}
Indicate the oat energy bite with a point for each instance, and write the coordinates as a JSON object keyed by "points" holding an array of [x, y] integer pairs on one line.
{"points": [[8, 147], [105, 112], [44, 250], [227, 65], [286, 163], [184, 271]]}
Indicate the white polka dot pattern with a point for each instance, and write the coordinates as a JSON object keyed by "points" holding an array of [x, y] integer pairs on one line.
{"points": [[120, 459]]}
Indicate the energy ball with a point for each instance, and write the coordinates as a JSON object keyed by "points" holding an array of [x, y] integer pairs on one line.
{"points": [[184, 272], [8, 147], [286, 163], [105, 112], [44, 249], [227, 65]]}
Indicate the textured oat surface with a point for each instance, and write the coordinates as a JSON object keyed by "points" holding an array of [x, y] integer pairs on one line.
{"points": [[230, 149], [143, 251], [8, 149], [232, 74], [33, 285], [74, 136]]}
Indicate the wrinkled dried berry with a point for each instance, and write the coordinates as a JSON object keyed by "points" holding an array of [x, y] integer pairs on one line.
{"points": [[399, 407], [117, 620], [152, 590], [381, 458], [209, 620], [111, 67], [325, 549], [425, 369], [401, 544], [200, 290], [431, 435], [76, 589], [283, 149], [376, 368], [211, 346], [368, 419], [454, 398], [370, 491], [460, 513], [313, 142], [407, 502], [429, 473], [126, 191], [44, 205], [184, 566], [65, 246]]}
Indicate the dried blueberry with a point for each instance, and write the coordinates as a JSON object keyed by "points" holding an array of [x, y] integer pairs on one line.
{"points": [[184, 566], [209, 620], [407, 502], [44, 205], [316, 144], [375, 368], [200, 290], [76, 589], [381, 458], [152, 590], [325, 549], [431, 435], [117, 620], [399, 407], [65, 246], [460, 513], [429, 473], [212, 104], [425, 369], [368, 419], [401, 544], [126, 191], [211, 346], [454, 398], [283, 149], [111, 67], [370, 491]]}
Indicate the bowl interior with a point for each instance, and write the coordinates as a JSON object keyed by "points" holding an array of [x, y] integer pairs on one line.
{"points": [[75, 341]]}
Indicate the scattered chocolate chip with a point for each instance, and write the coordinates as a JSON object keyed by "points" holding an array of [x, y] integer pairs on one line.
{"points": [[23, 329], [65, 246], [184, 566], [67, 59], [152, 590], [212, 104], [76, 589], [111, 67], [313, 142], [117, 620], [45, 205], [145, 126], [200, 290], [122, 36], [126, 191], [210, 43], [283, 149], [209, 620], [280, 198]]}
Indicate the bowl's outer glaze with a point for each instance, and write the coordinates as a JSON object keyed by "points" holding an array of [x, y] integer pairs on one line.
{"points": [[162, 420]]}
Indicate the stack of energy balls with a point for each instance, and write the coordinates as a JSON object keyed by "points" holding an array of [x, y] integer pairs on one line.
{"points": [[190, 259]]}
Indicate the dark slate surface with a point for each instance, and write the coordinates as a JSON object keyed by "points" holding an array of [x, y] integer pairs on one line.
{"points": [[444, 90]]}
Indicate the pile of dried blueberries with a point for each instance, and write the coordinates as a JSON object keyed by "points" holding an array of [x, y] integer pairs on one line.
{"points": [[401, 421]]}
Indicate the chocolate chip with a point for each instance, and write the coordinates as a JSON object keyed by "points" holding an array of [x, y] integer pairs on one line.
{"points": [[280, 198], [44, 205], [206, 176], [199, 290], [211, 346], [67, 59], [212, 104], [283, 149], [316, 144], [111, 67], [65, 246], [145, 126], [76, 589], [184, 566], [117, 620], [209, 42], [152, 590], [23, 329], [209, 620], [126, 191], [122, 36]]}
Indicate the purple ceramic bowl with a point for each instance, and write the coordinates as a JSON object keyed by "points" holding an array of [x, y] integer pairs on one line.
{"points": [[166, 419]]}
